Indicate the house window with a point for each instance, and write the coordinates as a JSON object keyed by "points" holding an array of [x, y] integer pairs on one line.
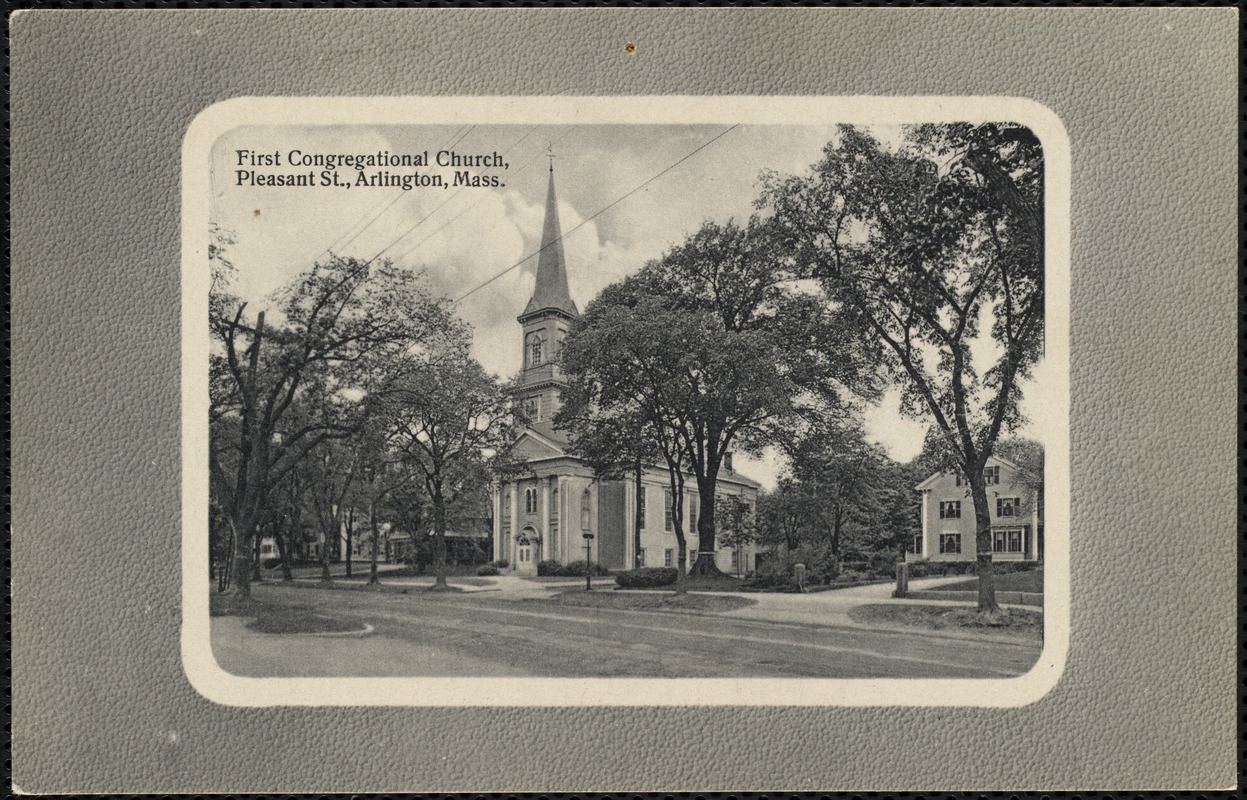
{"points": [[917, 543], [735, 560], [506, 505], [640, 557], [950, 542], [991, 476], [1007, 506], [640, 507], [532, 408], [957, 477], [668, 557], [950, 509], [266, 549], [554, 503], [530, 501], [1007, 541], [668, 520]]}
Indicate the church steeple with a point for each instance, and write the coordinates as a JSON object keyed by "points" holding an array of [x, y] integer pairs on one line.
{"points": [[551, 292], [546, 320]]}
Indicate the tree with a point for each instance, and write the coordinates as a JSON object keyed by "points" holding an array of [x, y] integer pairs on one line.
{"points": [[624, 404], [785, 516], [334, 319], [714, 344], [841, 474], [918, 245], [737, 526], [452, 422]]}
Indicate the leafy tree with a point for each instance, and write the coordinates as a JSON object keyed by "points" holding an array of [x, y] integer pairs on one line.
{"points": [[328, 323], [786, 516], [714, 347], [842, 476], [917, 246], [624, 405], [452, 424], [737, 525]]}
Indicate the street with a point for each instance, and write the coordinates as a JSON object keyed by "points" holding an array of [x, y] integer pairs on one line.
{"points": [[484, 634]]}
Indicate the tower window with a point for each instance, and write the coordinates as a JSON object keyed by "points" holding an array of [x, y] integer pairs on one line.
{"points": [[535, 350], [532, 408]]}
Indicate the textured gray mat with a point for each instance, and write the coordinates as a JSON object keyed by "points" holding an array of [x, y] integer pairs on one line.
{"points": [[100, 102]]}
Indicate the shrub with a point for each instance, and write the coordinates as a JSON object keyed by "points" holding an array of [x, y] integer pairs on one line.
{"points": [[772, 582], [575, 569], [486, 569], [883, 565], [501, 563], [647, 577], [271, 563]]}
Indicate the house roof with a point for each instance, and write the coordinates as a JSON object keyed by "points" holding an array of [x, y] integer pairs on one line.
{"points": [[991, 460]]}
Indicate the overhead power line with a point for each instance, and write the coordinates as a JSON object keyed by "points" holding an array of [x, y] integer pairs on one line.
{"points": [[421, 221], [600, 212], [471, 206]]}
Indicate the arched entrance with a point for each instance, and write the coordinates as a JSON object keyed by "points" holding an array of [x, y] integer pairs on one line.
{"points": [[527, 551]]}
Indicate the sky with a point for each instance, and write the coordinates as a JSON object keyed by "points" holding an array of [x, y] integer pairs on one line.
{"points": [[466, 237]]}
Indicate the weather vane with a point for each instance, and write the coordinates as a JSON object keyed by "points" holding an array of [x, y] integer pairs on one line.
{"points": [[550, 154]]}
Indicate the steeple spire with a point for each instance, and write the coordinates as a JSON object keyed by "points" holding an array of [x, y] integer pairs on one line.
{"points": [[551, 291]]}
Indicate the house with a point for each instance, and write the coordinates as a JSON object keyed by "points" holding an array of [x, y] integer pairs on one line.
{"points": [[543, 511], [948, 524]]}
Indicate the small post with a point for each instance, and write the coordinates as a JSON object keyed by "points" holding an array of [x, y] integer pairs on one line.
{"points": [[902, 579], [588, 570], [798, 571]]}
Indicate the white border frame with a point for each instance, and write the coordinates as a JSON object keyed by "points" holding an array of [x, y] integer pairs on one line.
{"points": [[1050, 405]]}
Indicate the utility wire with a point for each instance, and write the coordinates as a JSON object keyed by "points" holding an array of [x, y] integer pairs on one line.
{"points": [[421, 221], [338, 244], [599, 213], [471, 206]]}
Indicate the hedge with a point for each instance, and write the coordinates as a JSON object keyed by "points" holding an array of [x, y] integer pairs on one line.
{"points": [[647, 577], [575, 569]]}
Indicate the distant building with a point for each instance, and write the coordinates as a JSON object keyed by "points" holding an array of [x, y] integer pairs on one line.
{"points": [[543, 512], [948, 525]]}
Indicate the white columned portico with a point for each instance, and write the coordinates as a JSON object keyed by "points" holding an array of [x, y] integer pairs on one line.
{"points": [[547, 538], [496, 501], [515, 522], [564, 533]]}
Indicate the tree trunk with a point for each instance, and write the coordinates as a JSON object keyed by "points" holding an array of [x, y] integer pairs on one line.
{"points": [[256, 575], [284, 554], [243, 537], [373, 579], [439, 539], [325, 577], [704, 565], [983, 544], [350, 539]]}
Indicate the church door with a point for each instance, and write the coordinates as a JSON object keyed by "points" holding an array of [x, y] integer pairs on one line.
{"points": [[525, 561]]}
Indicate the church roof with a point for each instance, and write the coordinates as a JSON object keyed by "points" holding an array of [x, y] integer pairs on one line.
{"points": [[551, 291]]}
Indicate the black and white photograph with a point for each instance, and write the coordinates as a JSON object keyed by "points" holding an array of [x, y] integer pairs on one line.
{"points": [[675, 401], [624, 400]]}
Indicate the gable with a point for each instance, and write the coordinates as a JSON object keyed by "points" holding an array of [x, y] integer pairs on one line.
{"points": [[531, 446]]}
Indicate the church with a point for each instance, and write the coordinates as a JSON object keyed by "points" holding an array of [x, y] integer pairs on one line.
{"points": [[543, 511]]}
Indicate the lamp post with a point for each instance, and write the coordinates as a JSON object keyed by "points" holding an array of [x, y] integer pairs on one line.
{"points": [[588, 571]]}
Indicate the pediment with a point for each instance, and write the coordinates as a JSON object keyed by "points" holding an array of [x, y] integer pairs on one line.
{"points": [[531, 446]]}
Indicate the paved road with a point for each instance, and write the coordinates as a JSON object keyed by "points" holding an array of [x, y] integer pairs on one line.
{"points": [[480, 634]]}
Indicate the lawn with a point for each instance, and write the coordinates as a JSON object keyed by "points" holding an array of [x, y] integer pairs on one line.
{"points": [[268, 618], [1009, 621], [649, 601], [1028, 581]]}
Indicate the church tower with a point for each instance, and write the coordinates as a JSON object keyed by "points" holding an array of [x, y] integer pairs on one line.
{"points": [[544, 322]]}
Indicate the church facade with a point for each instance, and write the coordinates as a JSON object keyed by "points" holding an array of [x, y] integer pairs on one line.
{"points": [[543, 511]]}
